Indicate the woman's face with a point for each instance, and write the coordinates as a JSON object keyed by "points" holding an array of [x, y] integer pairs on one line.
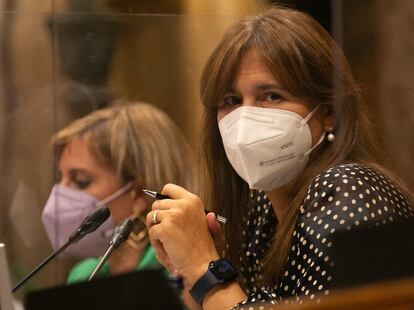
{"points": [[81, 170], [255, 85]]}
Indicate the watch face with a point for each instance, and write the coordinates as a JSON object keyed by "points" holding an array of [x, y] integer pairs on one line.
{"points": [[223, 270]]}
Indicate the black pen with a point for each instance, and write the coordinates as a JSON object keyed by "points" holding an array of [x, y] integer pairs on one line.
{"points": [[159, 196]]}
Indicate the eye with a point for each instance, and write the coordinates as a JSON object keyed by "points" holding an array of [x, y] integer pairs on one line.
{"points": [[231, 100], [272, 97], [80, 180], [82, 184]]}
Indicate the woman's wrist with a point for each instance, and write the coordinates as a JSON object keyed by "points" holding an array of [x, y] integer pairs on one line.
{"points": [[224, 296], [219, 272], [196, 271]]}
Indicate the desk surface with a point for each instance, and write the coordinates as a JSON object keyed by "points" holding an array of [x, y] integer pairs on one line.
{"points": [[389, 295]]}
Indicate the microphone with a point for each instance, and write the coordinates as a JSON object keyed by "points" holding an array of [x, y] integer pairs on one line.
{"points": [[88, 225], [121, 234]]}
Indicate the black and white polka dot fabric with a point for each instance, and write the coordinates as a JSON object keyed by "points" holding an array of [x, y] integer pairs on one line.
{"points": [[341, 198]]}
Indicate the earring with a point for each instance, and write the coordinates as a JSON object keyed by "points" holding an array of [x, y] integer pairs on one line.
{"points": [[331, 136]]}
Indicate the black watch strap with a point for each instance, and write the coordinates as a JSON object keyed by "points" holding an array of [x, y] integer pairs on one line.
{"points": [[219, 271]]}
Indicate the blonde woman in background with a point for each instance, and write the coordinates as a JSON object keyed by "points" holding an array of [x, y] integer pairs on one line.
{"points": [[108, 157]]}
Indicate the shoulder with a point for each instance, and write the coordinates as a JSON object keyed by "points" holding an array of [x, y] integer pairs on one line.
{"points": [[355, 177], [351, 178], [341, 198], [355, 194]]}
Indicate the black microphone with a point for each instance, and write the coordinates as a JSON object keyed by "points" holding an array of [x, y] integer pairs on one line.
{"points": [[121, 234], [88, 225]]}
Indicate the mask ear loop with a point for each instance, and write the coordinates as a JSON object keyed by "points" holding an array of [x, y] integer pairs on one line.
{"points": [[305, 121], [317, 143], [108, 233], [115, 195], [307, 118]]}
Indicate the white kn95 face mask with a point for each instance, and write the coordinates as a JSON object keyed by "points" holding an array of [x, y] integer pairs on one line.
{"points": [[267, 147]]}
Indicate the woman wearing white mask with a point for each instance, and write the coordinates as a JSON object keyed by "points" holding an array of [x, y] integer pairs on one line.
{"points": [[107, 158], [283, 120]]}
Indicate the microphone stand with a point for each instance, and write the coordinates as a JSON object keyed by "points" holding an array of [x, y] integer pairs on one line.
{"points": [[121, 234], [101, 262], [88, 225], [41, 265]]}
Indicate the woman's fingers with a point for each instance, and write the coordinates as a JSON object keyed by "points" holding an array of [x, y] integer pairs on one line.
{"points": [[162, 204], [155, 217], [215, 231], [161, 255], [160, 252], [175, 191], [178, 229]]}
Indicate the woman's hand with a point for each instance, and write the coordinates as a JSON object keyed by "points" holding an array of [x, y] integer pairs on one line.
{"points": [[216, 232], [180, 235]]}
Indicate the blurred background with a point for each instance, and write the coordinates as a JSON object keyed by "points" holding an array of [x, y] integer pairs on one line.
{"points": [[61, 59]]}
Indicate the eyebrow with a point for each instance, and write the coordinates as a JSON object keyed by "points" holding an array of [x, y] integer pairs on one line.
{"points": [[76, 171], [262, 87]]}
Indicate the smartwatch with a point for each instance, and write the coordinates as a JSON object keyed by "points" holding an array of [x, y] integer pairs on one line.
{"points": [[219, 271]]}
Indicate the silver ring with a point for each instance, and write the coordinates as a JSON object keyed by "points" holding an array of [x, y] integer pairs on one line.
{"points": [[154, 217]]}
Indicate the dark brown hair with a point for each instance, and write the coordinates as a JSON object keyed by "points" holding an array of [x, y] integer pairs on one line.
{"points": [[309, 65]]}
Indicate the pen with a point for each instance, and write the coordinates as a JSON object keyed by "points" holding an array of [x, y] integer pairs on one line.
{"points": [[159, 196]]}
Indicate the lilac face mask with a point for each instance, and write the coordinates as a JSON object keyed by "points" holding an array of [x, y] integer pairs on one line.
{"points": [[64, 212]]}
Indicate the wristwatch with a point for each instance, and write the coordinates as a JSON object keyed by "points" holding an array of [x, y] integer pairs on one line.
{"points": [[219, 271]]}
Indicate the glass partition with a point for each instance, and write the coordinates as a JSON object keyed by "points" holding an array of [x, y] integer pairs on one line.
{"points": [[62, 59]]}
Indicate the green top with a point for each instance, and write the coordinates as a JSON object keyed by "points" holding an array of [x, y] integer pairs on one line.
{"points": [[83, 270]]}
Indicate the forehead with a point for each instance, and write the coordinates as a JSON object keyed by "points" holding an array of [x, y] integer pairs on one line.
{"points": [[252, 68], [251, 59], [77, 155]]}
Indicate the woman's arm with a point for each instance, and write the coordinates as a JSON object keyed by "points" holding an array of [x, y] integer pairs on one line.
{"points": [[224, 297], [182, 240]]}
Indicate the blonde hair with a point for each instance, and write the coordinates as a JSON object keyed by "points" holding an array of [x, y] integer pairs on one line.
{"points": [[308, 64], [138, 142]]}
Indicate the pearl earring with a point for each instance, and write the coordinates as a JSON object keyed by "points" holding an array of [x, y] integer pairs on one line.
{"points": [[331, 136]]}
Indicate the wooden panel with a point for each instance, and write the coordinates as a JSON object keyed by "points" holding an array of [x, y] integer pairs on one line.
{"points": [[390, 295]]}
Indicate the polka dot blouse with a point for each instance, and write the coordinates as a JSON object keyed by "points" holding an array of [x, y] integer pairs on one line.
{"points": [[341, 198]]}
